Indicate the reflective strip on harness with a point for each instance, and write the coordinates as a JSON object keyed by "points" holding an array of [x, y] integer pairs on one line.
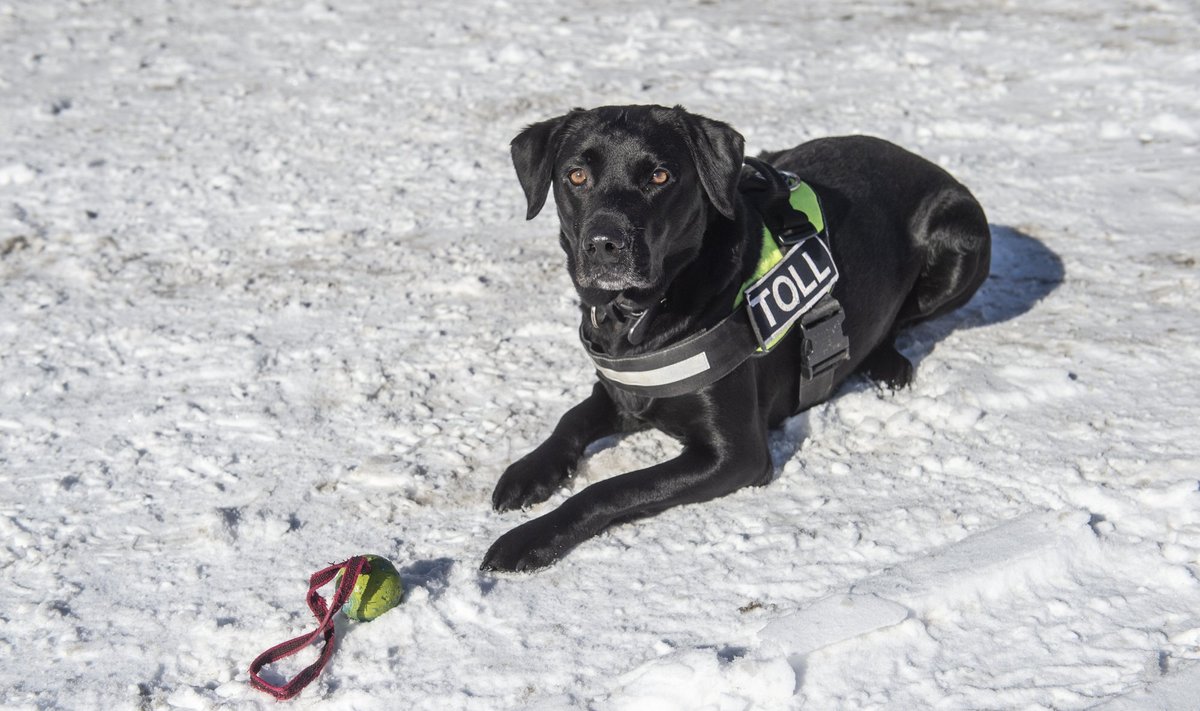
{"points": [[666, 375], [687, 366]]}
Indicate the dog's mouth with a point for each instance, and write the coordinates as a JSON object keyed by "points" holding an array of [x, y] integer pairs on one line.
{"points": [[615, 280], [632, 278], [629, 270]]}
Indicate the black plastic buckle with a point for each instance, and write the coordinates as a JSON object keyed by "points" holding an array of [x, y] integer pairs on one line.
{"points": [[824, 344], [796, 226], [799, 229]]}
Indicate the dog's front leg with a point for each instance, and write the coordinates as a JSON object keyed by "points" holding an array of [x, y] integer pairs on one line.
{"points": [[695, 475], [532, 478], [724, 452]]}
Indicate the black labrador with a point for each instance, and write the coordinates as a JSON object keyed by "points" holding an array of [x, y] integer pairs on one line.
{"points": [[653, 217]]}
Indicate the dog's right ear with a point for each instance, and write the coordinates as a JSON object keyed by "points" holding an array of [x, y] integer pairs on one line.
{"points": [[533, 157]]}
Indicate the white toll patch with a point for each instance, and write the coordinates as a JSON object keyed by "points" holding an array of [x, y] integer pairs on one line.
{"points": [[268, 300]]}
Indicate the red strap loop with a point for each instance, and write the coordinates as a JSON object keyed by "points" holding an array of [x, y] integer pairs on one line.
{"points": [[351, 569]]}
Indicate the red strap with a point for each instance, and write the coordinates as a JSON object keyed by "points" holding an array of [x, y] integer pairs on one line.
{"points": [[352, 569]]}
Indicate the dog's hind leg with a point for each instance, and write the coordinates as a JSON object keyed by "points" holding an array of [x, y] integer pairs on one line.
{"points": [[952, 232], [888, 366]]}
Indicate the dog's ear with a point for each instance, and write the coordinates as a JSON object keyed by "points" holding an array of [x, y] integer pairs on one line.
{"points": [[717, 150], [533, 157]]}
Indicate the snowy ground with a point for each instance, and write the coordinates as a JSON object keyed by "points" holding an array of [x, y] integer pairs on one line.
{"points": [[267, 301]]}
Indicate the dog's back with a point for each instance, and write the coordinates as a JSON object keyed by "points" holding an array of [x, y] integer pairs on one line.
{"points": [[893, 209]]}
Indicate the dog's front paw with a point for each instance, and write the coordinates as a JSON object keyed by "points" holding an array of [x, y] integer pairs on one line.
{"points": [[531, 480], [532, 545]]}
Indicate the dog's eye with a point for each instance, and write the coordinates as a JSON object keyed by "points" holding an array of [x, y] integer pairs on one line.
{"points": [[577, 177], [660, 176]]}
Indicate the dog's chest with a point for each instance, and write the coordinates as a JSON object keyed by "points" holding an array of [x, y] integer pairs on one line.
{"points": [[672, 416], [635, 408]]}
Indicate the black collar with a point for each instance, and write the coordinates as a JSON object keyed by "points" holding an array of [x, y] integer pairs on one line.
{"points": [[638, 320]]}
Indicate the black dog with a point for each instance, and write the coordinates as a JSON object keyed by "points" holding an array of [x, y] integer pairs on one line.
{"points": [[662, 233]]}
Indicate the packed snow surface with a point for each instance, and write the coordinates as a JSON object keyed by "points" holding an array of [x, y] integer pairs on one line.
{"points": [[267, 301]]}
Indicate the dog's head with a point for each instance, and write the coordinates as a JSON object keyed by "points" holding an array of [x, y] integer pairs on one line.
{"points": [[635, 186]]}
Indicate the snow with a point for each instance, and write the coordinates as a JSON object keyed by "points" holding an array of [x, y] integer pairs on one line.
{"points": [[267, 301]]}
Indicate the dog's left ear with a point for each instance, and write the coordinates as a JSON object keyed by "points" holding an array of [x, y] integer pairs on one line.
{"points": [[533, 158], [717, 150]]}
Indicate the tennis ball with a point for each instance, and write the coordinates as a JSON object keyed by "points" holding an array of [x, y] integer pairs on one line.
{"points": [[375, 592]]}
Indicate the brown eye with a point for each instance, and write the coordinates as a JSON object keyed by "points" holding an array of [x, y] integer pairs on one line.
{"points": [[577, 177], [660, 176]]}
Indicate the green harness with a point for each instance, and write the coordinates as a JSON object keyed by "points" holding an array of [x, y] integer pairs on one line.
{"points": [[802, 198], [790, 286]]}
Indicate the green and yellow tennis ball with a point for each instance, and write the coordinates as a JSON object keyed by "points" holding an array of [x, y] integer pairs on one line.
{"points": [[375, 592]]}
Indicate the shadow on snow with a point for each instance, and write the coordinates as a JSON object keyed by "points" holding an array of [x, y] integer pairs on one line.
{"points": [[1023, 272]]}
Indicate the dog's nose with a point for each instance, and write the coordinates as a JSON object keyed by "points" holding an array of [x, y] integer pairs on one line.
{"points": [[606, 248]]}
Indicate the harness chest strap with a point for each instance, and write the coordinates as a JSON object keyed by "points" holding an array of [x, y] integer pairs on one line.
{"points": [[787, 289], [684, 367]]}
